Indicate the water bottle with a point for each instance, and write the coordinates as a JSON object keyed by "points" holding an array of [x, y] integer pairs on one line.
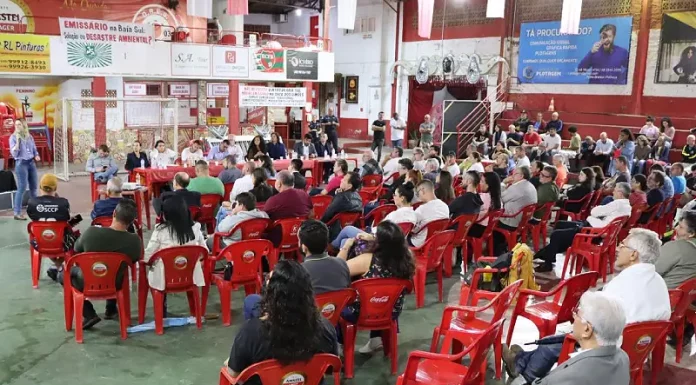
{"points": [[343, 154], [142, 163]]}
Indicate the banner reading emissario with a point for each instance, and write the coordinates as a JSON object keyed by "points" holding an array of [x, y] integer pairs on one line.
{"points": [[597, 55]]}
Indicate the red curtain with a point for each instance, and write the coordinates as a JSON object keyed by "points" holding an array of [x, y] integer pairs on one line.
{"points": [[421, 97]]}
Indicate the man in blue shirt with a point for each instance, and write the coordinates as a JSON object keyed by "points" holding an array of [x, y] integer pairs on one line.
{"points": [[219, 152], [609, 62], [106, 207], [677, 175]]}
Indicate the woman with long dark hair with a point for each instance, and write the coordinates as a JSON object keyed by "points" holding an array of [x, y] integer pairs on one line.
{"points": [[266, 163], [288, 328], [176, 229], [276, 148], [261, 191], [490, 191], [667, 129], [256, 147], [580, 190], [389, 257], [686, 67], [444, 190]]}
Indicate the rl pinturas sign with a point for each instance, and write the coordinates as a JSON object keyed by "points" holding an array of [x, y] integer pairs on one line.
{"points": [[99, 31]]}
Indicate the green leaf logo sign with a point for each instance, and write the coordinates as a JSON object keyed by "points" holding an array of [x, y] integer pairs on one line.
{"points": [[89, 55]]}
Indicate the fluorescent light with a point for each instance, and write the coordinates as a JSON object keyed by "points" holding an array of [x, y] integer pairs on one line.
{"points": [[298, 12]]}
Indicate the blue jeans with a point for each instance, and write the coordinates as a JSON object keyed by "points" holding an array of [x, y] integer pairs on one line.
{"points": [[345, 234], [104, 176], [25, 170], [251, 307], [221, 214], [538, 363], [398, 143]]}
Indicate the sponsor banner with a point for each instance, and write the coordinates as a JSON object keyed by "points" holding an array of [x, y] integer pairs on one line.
{"points": [[254, 96], [135, 89], [25, 53], [190, 60], [100, 31], [39, 99], [268, 64], [598, 54], [216, 90], [302, 65], [179, 89], [677, 56], [230, 62]]}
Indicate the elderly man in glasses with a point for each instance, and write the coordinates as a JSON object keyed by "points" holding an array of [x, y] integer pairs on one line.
{"points": [[639, 289]]}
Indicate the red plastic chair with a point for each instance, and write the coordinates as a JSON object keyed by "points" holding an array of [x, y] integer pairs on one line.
{"points": [[469, 327], [680, 298], [406, 228], [368, 195], [581, 214], [477, 243], [179, 263], [391, 178], [667, 219], [289, 242], [195, 212], [309, 183], [253, 228], [429, 258], [462, 224], [434, 227], [300, 373], [471, 295], [596, 256], [320, 203], [639, 340], [345, 219], [332, 303], [99, 271], [651, 223], [94, 187], [209, 203], [105, 221], [377, 299], [228, 190], [246, 257], [636, 212], [372, 181], [48, 237], [546, 315], [5, 150], [541, 228], [425, 368], [511, 235], [378, 214]]}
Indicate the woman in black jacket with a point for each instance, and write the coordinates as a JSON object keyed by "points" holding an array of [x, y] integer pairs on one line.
{"points": [[261, 191], [136, 158], [580, 190], [256, 147]]}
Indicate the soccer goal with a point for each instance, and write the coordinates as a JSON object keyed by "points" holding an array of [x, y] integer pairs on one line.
{"points": [[125, 119]]}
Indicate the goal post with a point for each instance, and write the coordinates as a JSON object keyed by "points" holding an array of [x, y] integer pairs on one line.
{"points": [[126, 119]]}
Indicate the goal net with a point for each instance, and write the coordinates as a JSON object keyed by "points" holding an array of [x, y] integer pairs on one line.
{"points": [[125, 120]]}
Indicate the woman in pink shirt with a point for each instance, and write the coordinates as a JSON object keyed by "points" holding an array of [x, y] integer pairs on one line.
{"points": [[667, 129]]}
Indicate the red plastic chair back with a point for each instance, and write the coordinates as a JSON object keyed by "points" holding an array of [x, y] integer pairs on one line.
{"points": [[636, 212], [372, 181], [377, 299], [639, 339], [195, 212], [462, 224], [271, 182], [309, 183], [379, 213], [344, 219], [209, 202], [406, 227], [547, 209], [417, 204], [253, 228], [300, 373], [434, 248], [289, 228], [493, 218], [368, 195], [228, 40], [675, 296], [391, 178], [228, 190], [48, 236], [246, 257], [99, 271], [502, 301], [689, 290], [331, 304], [572, 289], [179, 262], [320, 204], [103, 221], [437, 226]]}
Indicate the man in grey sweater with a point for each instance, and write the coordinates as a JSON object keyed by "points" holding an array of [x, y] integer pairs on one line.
{"points": [[245, 208]]}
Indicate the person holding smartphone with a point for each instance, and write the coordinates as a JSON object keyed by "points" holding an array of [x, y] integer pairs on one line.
{"points": [[26, 155]]}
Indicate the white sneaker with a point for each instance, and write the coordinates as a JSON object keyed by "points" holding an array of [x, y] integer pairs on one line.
{"points": [[371, 346], [340, 350]]}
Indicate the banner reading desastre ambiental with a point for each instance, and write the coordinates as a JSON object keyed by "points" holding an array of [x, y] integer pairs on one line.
{"points": [[598, 54], [255, 96], [99, 31], [25, 53]]}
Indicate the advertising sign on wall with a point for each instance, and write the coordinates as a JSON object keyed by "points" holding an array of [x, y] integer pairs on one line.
{"points": [[25, 53], [216, 90], [135, 89], [254, 96], [598, 54], [677, 57], [230, 62], [84, 30], [38, 101], [302, 65], [190, 60], [268, 63], [179, 89]]}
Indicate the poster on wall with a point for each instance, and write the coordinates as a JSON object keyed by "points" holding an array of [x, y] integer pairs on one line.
{"points": [[677, 54], [268, 64], [598, 54], [217, 90], [230, 62], [255, 96], [351, 89], [302, 65], [85, 31], [190, 60], [37, 101], [25, 53]]}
